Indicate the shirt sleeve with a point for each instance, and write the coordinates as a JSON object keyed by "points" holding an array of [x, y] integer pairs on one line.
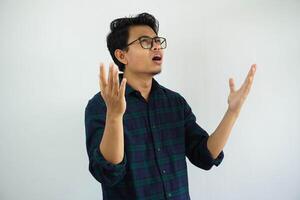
{"points": [[102, 170], [196, 142]]}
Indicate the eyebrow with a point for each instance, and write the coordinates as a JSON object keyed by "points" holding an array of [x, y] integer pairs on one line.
{"points": [[149, 36]]}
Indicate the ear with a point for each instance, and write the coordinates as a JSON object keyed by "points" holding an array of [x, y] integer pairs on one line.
{"points": [[120, 55]]}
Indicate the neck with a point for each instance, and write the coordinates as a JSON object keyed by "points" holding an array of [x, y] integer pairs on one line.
{"points": [[139, 82]]}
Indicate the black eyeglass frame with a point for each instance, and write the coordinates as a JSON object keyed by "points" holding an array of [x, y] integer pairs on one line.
{"points": [[139, 39]]}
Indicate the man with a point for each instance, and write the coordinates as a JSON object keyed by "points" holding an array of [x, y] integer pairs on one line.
{"points": [[139, 133]]}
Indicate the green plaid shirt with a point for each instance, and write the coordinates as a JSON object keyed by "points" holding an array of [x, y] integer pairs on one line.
{"points": [[158, 136]]}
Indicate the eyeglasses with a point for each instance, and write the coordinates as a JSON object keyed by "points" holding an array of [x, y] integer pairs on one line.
{"points": [[147, 42]]}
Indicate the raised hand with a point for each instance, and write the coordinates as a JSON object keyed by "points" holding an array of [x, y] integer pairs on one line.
{"points": [[111, 91], [237, 98]]}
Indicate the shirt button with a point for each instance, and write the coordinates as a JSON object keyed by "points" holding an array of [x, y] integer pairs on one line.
{"points": [[153, 126], [169, 194], [158, 149], [164, 171]]}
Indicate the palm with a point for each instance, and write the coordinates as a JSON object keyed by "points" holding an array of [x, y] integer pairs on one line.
{"points": [[236, 98], [111, 91]]}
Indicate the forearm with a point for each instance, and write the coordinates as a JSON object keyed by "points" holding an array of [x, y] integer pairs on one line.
{"points": [[218, 138], [112, 143]]}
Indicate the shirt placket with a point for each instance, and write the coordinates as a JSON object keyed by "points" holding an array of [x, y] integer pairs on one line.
{"points": [[158, 150]]}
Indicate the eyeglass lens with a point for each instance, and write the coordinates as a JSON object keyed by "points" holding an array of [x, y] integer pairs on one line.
{"points": [[147, 42]]}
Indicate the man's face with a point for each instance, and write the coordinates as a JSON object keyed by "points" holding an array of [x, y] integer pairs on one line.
{"points": [[140, 60]]}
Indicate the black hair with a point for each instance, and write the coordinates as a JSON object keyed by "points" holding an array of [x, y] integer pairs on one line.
{"points": [[119, 33]]}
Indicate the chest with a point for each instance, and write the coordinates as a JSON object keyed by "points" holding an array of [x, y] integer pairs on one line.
{"points": [[152, 128]]}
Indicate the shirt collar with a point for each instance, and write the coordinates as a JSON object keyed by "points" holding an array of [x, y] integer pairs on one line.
{"points": [[129, 89]]}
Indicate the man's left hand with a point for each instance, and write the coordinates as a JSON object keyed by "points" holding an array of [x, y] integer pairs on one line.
{"points": [[237, 98]]}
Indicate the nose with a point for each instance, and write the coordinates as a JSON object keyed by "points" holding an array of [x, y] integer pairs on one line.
{"points": [[155, 46]]}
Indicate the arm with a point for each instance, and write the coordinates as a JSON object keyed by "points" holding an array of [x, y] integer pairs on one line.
{"points": [[112, 143], [101, 166], [104, 129], [219, 137], [196, 142]]}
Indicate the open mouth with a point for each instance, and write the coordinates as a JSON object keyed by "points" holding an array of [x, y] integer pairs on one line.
{"points": [[157, 59]]}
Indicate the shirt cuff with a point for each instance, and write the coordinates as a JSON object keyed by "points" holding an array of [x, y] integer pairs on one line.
{"points": [[108, 166], [217, 161]]}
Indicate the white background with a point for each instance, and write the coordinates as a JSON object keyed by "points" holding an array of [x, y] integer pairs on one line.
{"points": [[49, 57]]}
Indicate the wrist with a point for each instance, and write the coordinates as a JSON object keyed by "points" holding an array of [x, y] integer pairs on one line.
{"points": [[113, 117], [234, 114]]}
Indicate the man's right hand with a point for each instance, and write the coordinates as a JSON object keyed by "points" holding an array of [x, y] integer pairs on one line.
{"points": [[111, 91]]}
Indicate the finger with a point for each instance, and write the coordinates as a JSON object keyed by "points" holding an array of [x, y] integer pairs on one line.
{"points": [[122, 88], [253, 68], [250, 73], [245, 85], [110, 78], [102, 77], [248, 85], [116, 81], [231, 85]]}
